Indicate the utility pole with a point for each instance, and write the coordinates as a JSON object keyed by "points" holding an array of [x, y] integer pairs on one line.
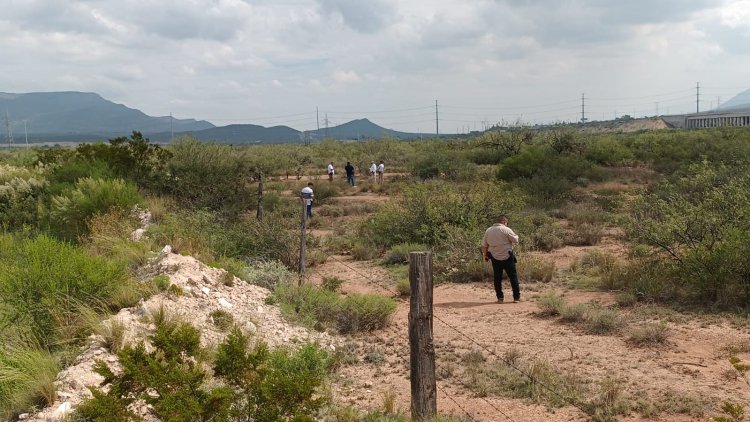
{"points": [[583, 108], [697, 97], [437, 119], [326, 122], [171, 126], [718, 101], [26, 134], [9, 134], [317, 119]]}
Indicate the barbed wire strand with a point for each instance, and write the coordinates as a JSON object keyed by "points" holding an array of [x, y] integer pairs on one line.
{"points": [[388, 289]]}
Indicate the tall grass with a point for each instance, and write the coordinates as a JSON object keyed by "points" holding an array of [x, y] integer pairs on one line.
{"points": [[319, 307], [27, 376], [70, 212], [46, 283]]}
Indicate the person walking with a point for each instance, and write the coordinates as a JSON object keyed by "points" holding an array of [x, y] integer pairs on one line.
{"points": [[307, 195], [381, 170], [349, 173], [373, 169], [330, 171], [497, 246]]}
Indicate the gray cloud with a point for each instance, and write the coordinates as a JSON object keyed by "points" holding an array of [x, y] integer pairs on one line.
{"points": [[364, 16]]}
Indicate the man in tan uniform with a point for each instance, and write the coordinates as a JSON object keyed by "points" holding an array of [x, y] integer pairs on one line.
{"points": [[497, 246]]}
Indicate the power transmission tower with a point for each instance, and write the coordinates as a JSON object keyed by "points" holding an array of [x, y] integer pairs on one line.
{"points": [[317, 119], [326, 123], [583, 108], [26, 134], [9, 132], [437, 119]]}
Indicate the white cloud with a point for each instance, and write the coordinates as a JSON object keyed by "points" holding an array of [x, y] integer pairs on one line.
{"points": [[215, 58]]}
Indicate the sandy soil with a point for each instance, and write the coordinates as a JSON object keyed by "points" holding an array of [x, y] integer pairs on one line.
{"points": [[693, 365]]}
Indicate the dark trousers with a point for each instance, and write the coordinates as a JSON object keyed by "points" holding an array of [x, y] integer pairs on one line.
{"points": [[509, 265], [309, 210], [350, 179]]}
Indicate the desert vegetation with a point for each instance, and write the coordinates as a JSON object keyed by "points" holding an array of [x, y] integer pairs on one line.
{"points": [[657, 222]]}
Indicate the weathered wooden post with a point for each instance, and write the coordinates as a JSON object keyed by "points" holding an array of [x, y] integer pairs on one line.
{"points": [[259, 214], [423, 384], [302, 241]]}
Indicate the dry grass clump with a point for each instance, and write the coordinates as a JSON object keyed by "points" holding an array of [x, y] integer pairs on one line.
{"points": [[649, 334], [113, 334], [536, 269], [594, 318], [551, 304]]}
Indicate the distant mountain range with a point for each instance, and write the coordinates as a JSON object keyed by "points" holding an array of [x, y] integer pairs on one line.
{"points": [[83, 117]]}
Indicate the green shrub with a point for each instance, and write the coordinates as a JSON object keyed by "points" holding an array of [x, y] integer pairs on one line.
{"points": [[425, 213], [22, 192], [351, 314], [399, 254], [27, 378], [222, 319], [574, 313], [161, 282], [331, 283], [547, 238], [584, 234], [368, 312], [211, 176], [70, 212], [536, 269], [403, 287], [551, 304], [268, 274], [45, 284], [272, 385], [667, 218], [131, 158], [599, 320], [68, 173], [210, 238], [169, 378], [363, 252]]}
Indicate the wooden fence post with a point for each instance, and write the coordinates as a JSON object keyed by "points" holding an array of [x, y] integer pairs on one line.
{"points": [[302, 242], [259, 214], [423, 384]]}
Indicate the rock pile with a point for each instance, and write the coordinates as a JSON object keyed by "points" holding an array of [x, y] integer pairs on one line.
{"points": [[203, 291]]}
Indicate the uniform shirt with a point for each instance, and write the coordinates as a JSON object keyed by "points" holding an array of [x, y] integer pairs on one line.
{"points": [[349, 170], [330, 169], [381, 168], [499, 240], [373, 168], [307, 195]]}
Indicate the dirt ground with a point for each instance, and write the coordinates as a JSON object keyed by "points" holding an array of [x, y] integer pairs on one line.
{"points": [[693, 366]]}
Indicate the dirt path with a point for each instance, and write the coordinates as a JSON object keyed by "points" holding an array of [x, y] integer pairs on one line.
{"points": [[693, 367]]}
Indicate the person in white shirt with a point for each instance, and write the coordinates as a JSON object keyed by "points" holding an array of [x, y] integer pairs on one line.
{"points": [[497, 246], [330, 171], [307, 195], [373, 169], [381, 170]]}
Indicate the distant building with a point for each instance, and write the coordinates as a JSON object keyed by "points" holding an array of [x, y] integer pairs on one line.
{"points": [[734, 118]]}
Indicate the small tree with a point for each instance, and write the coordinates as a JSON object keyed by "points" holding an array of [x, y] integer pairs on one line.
{"points": [[511, 141]]}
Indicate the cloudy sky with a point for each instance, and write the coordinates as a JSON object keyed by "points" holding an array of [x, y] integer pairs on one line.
{"points": [[274, 61]]}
